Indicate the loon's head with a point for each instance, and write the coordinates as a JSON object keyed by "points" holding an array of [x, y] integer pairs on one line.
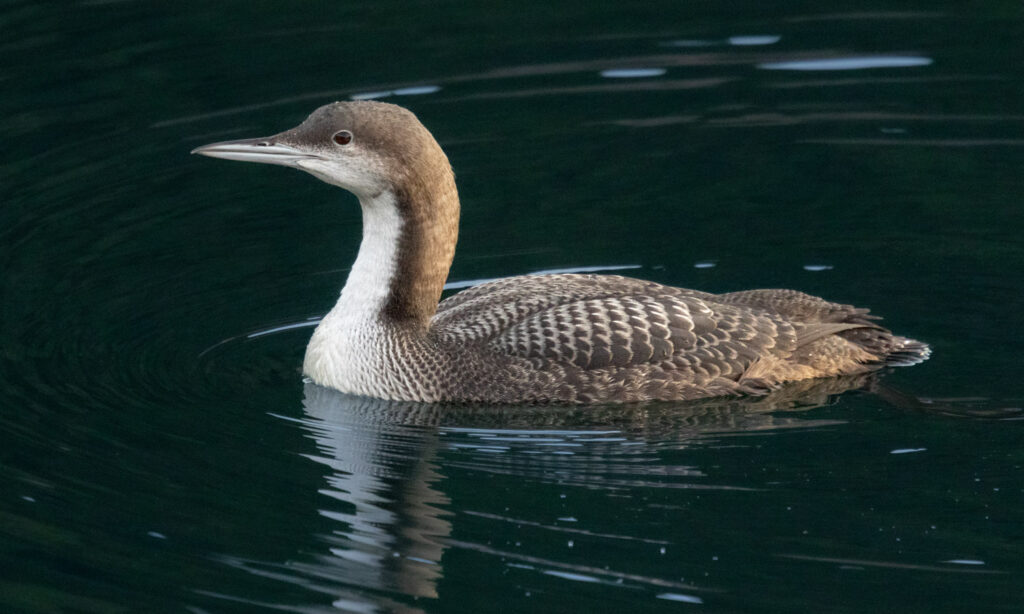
{"points": [[365, 147]]}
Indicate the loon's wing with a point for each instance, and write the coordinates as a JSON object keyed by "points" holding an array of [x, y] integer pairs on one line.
{"points": [[611, 322], [482, 311], [596, 322]]}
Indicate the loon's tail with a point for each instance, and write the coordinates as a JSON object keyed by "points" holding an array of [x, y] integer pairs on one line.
{"points": [[906, 352], [890, 350]]}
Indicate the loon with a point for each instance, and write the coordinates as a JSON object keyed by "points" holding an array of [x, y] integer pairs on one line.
{"points": [[557, 338]]}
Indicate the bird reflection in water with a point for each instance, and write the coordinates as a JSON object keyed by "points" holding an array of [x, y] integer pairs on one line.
{"points": [[386, 461]]}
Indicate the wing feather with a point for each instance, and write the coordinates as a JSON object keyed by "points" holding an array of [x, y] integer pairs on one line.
{"points": [[680, 332], [600, 332], [482, 311], [797, 306]]}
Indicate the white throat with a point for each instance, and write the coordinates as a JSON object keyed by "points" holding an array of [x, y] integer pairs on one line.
{"points": [[340, 353], [369, 282]]}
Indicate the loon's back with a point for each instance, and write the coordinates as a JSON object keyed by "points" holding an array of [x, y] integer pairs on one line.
{"points": [[604, 338]]}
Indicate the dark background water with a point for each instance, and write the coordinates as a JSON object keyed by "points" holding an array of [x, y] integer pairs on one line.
{"points": [[159, 451]]}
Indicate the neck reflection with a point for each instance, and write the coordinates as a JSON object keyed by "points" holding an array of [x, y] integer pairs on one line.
{"points": [[387, 461]]}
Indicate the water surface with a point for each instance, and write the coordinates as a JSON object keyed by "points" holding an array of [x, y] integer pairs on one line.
{"points": [[160, 451]]}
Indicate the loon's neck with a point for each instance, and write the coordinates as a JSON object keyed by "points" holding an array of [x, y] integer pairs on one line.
{"points": [[409, 237], [410, 227]]}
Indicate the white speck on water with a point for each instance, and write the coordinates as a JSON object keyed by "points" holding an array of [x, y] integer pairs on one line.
{"points": [[417, 90], [850, 63], [662, 550], [28, 498], [705, 264], [156, 535], [370, 95], [907, 450], [965, 562], [818, 267], [578, 577], [567, 519], [632, 73], [744, 41], [679, 597], [570, 543]]}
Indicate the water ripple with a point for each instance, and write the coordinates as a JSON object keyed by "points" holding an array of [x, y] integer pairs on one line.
{"points": [[849, 63]]}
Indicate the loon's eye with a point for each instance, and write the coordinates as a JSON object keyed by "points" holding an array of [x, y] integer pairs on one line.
{"points": [[342, 137]]}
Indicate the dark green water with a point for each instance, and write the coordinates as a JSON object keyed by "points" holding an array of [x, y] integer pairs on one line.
{"points": [[159, 451]]}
